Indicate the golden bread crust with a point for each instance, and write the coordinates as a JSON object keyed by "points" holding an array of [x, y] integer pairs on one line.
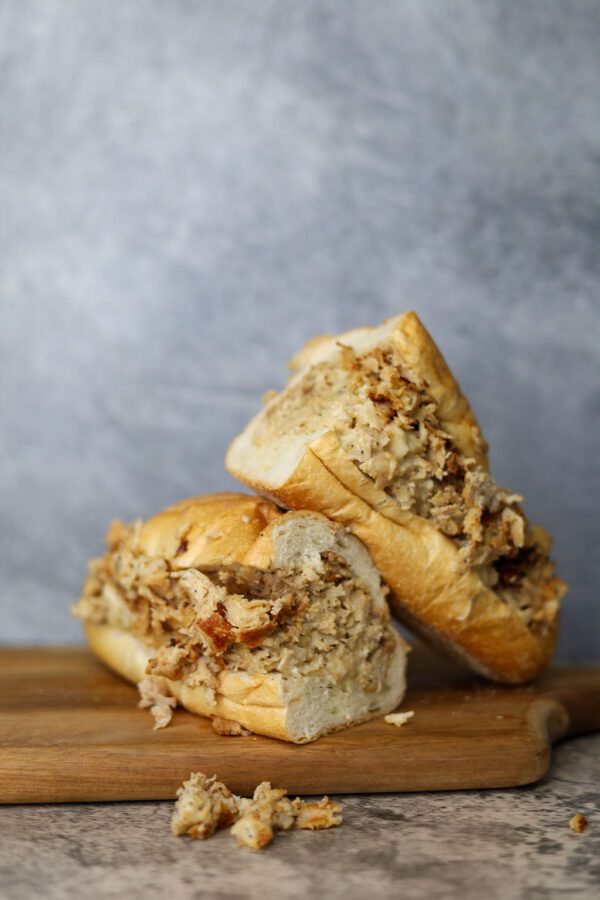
{"points": [[207, 530]]}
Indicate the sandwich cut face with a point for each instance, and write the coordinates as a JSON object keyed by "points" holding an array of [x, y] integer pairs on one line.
{"points": [[276, 621], [373, 430]]}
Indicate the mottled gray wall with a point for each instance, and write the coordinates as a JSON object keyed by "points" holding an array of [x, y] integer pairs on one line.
{"points": [[188, 190]]}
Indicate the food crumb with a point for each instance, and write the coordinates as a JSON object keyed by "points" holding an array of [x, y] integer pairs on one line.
{"points": [[245, 519], [204, 805], [230, 729], [399, 719], [250, 831], [578, 823]]}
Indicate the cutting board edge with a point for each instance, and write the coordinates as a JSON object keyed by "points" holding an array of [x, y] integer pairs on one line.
{"points": [[530, 766]]}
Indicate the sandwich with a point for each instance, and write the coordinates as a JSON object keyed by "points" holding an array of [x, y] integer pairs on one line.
{"points": [[373, 431], [275, 621]]}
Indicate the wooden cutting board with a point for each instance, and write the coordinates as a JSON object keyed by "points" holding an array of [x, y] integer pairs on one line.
{"points": [[70, 730]]}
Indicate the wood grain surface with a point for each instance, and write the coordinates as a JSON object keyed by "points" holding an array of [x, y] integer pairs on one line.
{"points": [[70, 730]]}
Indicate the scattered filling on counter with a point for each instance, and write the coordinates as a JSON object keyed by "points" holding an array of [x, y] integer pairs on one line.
{"points": [[205, 805], [578, 823]]}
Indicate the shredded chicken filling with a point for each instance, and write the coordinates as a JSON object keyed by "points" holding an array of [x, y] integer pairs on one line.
{"points": [[205, 805], [388, 426], [321, 622]]}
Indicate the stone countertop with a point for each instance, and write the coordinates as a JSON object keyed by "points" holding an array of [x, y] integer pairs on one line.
{"points": [[491, 844]]}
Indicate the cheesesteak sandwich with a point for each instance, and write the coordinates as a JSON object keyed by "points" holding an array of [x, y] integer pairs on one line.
{"points": [[373, 431], [276, 621]]}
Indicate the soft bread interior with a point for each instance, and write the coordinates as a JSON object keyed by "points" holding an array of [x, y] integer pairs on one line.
{"points": [[290, 636]]}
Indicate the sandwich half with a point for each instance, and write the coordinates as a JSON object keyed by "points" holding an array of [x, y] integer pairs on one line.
{"points": [[373, 431], [275, 621]]}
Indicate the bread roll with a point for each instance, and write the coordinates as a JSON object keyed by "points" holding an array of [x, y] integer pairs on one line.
{"points": [[373, 431], [275, 621]]}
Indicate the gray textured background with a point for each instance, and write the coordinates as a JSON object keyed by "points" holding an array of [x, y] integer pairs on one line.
{"points": [[189, 190]]}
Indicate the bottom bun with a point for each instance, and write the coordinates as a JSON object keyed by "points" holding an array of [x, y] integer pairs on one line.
{"points": [[291, 708]]}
